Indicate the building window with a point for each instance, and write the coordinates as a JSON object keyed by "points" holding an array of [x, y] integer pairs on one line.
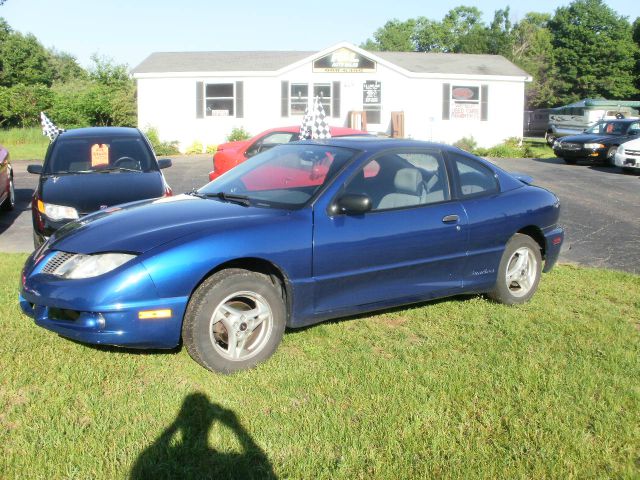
{"points": [[372, 100], [323, 92], [219, 99], [465, 102], [299, 98]]}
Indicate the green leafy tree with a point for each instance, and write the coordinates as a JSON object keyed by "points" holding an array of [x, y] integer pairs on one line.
{"points": [[594, 52], [460, 31], [532, 50], [394, 36], [20, 105], [23, 60], [65, 67]]}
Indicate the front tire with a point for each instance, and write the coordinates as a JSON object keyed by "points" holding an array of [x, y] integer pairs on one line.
{"points": [[611, 153], [234, 320], [519, 271], [550, 138], [10, 202], [570, 161]]}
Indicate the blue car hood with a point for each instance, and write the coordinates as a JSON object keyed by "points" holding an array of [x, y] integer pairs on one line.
{"points": [[141, 226]]}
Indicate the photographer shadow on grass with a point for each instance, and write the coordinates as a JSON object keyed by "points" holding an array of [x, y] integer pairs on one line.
{"points": [[183, 451]]}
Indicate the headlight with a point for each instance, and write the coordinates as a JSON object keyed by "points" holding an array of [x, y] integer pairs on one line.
{"points": [[87, 266], [57, 212], [620, 149], [593, 145]]}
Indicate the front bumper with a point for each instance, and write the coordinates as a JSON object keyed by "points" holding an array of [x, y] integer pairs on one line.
{"points": [[626, 160], [553, 238], [102, 310], [594, 154]]}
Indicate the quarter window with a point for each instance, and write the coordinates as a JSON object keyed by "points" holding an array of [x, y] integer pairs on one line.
{"points": [[473, 177], [219, 99]]}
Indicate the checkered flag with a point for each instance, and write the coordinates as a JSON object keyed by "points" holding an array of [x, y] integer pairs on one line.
{"points": [[48, 127], [314, 124], [306, 128], [320, 125]]}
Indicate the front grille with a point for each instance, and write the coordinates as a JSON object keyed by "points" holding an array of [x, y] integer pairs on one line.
{"points": [[632, 152], [57, 261], [570, 146]]}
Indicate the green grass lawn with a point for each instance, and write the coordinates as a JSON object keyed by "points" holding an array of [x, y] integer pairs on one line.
{"points": [[25, 143], [460, 388]]}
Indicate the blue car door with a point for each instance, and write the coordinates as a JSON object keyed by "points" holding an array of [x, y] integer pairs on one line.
{"points": [[477, 188], [410, 246]]}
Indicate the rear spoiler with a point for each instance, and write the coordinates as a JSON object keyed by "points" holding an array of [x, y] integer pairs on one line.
{"points": [[523, 178]]}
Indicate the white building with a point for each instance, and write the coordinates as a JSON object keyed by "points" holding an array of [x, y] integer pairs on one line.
{"points": [[201, 96]]}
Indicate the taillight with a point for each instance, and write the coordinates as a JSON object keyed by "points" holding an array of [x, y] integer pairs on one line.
{"points": [[167, 191]]}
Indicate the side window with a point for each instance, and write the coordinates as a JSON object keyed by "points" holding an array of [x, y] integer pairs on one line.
{"points": [[402, 180], [473, 177]]}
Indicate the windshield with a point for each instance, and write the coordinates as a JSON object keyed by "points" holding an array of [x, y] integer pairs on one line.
{"points": [[99, 154], [286, 176], [615, 128]]}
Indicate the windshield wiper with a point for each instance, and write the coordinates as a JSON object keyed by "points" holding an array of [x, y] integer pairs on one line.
{"points": [[226, 197], [117, 169], [66, 172]]}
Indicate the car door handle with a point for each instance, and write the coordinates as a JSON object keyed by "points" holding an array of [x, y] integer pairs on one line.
{"points": [[450, 219]]}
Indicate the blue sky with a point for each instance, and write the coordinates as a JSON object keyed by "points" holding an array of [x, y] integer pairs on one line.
{"points": [[129, 30]]}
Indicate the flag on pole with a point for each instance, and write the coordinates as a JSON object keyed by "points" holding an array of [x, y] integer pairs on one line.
{"points": [[314, 124], [48, 127]]}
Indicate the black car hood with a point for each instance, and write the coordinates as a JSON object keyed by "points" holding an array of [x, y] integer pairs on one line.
{"points": [[142, 226], [596, 138], [88, 192]]}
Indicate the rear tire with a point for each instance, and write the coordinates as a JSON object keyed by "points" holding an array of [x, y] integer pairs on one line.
{"points": [[234, 320], [519, 271]]}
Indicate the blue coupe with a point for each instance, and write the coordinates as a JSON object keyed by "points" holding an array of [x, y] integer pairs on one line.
{"points": [[301, 233]]}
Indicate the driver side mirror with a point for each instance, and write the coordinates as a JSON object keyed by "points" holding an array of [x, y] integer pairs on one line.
{"points": [[351, 204], [35, 169], [164, 163]]}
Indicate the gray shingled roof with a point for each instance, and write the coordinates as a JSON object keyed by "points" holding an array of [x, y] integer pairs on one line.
{"points": [[460, 63], [269, 61], [266, 61]]}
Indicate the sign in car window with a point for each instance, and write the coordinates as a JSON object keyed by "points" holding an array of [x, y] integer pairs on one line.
{"points": [[99, 154]]}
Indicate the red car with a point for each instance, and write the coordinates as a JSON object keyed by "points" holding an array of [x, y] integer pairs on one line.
{"points": [[7, 191], [230, 154]]}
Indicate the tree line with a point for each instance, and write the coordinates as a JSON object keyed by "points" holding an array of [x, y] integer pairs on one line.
{"points": [[35, 79], [583, 50]]}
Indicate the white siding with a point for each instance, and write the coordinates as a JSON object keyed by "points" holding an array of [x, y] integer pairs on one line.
{"points": [[169, 104]]}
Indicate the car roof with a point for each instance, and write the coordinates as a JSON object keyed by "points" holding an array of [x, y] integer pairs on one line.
{"points": [[620, 120], [371, 143], [99, 131], [338, 131]]}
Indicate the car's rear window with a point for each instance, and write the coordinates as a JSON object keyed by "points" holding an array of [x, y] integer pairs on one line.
{"points": [[73, 155]]}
